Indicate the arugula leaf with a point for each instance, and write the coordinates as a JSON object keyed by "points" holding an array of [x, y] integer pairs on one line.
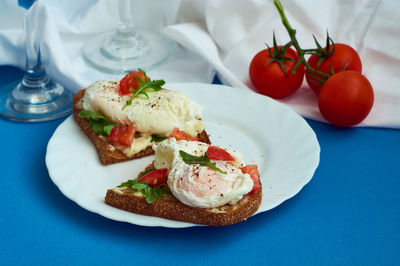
{"points": [[99, 123], [151, 193], [145, 86], [202, 160], [157, 138]]}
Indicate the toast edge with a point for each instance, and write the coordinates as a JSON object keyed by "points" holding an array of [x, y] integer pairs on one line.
{"points": [[175, 210]]}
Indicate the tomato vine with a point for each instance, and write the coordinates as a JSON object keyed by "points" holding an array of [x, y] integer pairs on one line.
{"points": [[301, 52]]}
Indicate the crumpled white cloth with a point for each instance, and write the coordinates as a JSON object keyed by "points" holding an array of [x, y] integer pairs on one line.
{"points": [[221, 35], [64, 26], [231, 32]]}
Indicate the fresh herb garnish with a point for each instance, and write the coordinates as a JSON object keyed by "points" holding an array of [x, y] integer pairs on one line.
{"points": [[157, 138], [145, 86], [100, 124], [137, 135], [151, 193], [201, 160]]}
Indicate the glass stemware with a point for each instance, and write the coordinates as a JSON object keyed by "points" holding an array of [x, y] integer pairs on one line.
{"points": [[127, 48], [36, 97]]}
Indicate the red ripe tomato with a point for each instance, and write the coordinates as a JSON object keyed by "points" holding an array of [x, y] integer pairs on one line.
{"points": [[195, 138], [130, 81], [178, 134], [270, 79], [343, 57], [252, 170], [122, 135], [346, 98], [217, 153], [155, 178]]}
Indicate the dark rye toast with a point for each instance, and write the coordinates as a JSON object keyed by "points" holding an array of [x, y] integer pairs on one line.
{"points": [[108, 153], [169, 207]]}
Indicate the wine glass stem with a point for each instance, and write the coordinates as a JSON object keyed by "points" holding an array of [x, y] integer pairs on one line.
{"points": [[126, 25], [34, 69]]}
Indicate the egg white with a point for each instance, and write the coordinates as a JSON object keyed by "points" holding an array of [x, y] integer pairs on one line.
{"points": [[200, 186], [159, 114]]}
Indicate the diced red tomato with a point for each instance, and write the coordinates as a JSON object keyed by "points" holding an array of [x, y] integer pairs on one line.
{"points": [[217, 153], [181, 135], [252, 170], [123, 135], [155, 177], [130, 81], [178, 134]]}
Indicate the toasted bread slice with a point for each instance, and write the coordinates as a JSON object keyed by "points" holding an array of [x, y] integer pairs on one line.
{"points": [[108, 153], [169, 207]]}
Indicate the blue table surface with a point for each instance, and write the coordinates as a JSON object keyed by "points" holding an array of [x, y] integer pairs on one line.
{"points": [[349, 214]]}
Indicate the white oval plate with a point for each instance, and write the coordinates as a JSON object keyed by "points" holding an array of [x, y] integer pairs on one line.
{"points": [[265, 132]]}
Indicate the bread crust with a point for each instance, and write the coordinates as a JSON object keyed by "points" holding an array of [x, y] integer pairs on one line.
{"points": [[170, 208], [108, 153]]}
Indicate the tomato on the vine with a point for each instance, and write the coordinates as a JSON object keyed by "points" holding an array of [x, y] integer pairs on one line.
{"points": [[346, 98], [343, 58], [130, 81], [269, 77]]}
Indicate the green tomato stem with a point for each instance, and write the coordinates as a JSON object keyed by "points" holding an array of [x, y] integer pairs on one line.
{"points": [[292, 34]]}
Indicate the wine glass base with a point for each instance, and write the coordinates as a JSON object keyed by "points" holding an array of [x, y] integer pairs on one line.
{"points": [[109, 52], [47, 103]]}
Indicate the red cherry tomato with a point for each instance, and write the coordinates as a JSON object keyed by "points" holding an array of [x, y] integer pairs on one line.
{"points": [[123, 135], [343, 56], [195, 138], [346, 98], [217, 153], [269, 78], [155, 178], [252, 170], [178, 135], [130, 81]]}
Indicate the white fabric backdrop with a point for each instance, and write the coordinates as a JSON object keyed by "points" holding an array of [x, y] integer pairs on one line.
{"points": [[65, 25], [220, 35]]}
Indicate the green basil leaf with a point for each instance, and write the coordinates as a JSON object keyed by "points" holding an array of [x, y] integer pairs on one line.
{"points": [[128, 183], [139, 185], [107, 129], [201, 160], [151, 193], [99, 123], [156, 193], [137, 135], [157, 138]]}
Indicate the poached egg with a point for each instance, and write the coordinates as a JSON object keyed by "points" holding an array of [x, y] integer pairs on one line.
{"points": [[159, 114], [201, 186]]}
